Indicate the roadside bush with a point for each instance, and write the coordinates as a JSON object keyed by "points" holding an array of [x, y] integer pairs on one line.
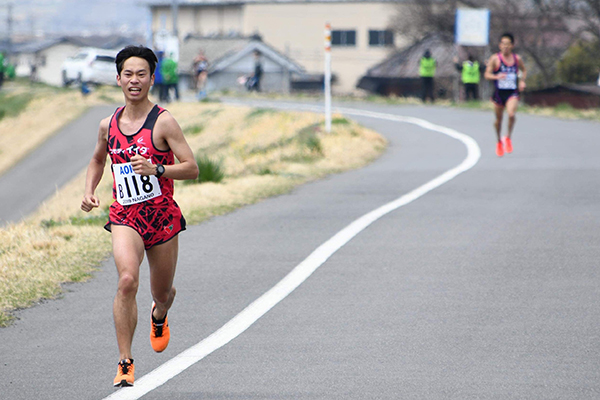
{"points": [[209, 170], [580, 63], [308, 138]]}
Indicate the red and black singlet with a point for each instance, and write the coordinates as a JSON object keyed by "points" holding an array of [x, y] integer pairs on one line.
{"points": [[122, 147], [158, 219]]}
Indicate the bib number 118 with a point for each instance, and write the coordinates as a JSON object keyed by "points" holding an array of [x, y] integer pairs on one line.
{"points": [[134, 188], [145, 184]]}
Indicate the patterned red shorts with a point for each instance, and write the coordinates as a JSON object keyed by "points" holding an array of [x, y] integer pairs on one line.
{"points": [[157, 221]]}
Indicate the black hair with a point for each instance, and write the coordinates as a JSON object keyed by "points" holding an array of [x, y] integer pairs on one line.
{"points": [[508, 35], [136, 51]]}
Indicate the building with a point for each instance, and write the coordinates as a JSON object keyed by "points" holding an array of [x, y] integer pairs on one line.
{"points": [[46, 56], [360, 33], [399, 73], [231, 58]]}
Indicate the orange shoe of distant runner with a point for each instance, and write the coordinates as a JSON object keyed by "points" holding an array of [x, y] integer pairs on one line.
{"points": [[507, 145], [125, 373], [499, 149], [159, 334]]}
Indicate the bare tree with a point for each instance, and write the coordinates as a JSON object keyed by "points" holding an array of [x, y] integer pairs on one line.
{"points": [[585, 14]]}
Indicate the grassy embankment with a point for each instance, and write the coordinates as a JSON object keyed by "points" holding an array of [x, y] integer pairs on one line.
{"points": [[261, 153]]}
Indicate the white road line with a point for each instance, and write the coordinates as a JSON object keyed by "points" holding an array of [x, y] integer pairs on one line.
{"points": [[238, 324]]}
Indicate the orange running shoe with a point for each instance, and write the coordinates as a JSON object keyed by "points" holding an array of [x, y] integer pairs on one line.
{"points": [[507, 145], [159, 334], [499, 149], [125, 373]]}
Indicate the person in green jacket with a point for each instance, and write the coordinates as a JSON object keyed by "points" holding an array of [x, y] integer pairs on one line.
{"points": [[171, 76], [471, 72], [427, 68], [10, 71]]}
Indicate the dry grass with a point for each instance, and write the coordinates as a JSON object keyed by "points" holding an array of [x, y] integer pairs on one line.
{"points": [[263, 153], [44, 116]]}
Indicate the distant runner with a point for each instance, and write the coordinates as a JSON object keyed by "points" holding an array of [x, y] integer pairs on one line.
{"points": [[143, 141], [503, 68]]}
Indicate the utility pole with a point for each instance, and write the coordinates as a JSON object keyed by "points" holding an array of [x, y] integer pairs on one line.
{"points": [[9, 24], [175, 14]]}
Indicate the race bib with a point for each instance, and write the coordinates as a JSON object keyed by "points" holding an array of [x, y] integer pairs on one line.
{"points": [[133, 188], [509, 81]]}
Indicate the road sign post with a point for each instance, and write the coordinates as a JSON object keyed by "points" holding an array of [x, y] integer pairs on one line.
{"points": [[327, 77]]}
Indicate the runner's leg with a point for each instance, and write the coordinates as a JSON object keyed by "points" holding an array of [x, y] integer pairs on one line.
{"points": [[511, 108], [128, 251], [499, 112], [163, 260]]}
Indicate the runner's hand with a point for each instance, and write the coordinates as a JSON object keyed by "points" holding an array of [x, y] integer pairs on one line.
{"points": [[522, 86], [89, 202], [142, 166], [501, 76]]}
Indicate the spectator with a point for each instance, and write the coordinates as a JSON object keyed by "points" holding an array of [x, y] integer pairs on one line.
{"points": [[170, 77], [470, 76], [159, 82], [33, 71], [254, 80], [427, 68], [200, 68]]}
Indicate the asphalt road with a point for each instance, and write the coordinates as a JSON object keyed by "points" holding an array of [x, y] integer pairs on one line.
{"points": [[50, 166], [487, 287]]}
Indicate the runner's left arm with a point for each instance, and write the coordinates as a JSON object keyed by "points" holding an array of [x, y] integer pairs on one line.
{"points": [[523, 76], [168, 134]]}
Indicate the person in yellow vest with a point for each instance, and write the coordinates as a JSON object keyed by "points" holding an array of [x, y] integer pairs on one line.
{"points": [[427, 68], [470, 76]]}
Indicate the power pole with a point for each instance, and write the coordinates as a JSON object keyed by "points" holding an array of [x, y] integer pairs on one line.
{"points": [[175, 14], [9, 24]]}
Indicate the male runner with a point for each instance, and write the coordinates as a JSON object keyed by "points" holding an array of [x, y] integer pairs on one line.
{"points": [[142, 140], [503, 68]]}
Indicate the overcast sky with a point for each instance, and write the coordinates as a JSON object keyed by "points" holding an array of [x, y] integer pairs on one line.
{"points": [[75, 16]]}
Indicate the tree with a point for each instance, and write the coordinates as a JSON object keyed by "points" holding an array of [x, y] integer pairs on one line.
{"points": [[584, 14], [580, 63]]}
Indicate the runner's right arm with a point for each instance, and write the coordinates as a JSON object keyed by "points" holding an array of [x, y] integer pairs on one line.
{"points": [[491, 67], [96, 168]]}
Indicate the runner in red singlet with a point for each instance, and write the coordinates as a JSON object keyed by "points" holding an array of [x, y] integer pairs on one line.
{"points": [[142, 141], [503, 68]]}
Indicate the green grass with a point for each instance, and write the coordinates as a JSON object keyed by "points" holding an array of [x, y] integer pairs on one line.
{"points": [[258, 112], [209, 170], [307, 137], [194, 129], [340, 121], [12, 105]]}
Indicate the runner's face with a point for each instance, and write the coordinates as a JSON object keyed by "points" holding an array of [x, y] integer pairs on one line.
{"points": [[506, 46], [135, 78]]}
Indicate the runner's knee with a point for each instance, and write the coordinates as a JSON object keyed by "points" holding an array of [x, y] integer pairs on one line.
{"points": [[128, 284], [161, 296]]}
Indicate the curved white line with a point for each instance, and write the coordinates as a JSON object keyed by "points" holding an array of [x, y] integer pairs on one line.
{"points": [[238, 324]]}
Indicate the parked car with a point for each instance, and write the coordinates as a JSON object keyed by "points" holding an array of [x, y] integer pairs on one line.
{"points": [[90, 65]]}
